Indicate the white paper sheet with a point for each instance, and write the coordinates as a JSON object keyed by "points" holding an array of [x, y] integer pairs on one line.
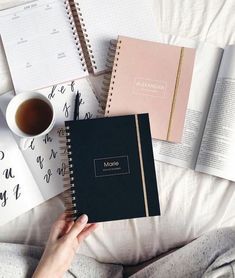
{"points": [[18, 189], [39, 45]]}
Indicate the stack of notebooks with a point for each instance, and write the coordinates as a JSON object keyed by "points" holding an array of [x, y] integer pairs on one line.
{"points": [[111, 161], [145, 95]]}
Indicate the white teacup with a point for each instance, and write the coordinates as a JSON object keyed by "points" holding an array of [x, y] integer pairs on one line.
{"points": [[12, 109]]}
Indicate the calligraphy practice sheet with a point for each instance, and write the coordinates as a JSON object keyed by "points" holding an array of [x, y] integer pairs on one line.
{"points": [[43, 154], [32, 176], [18, 189]]}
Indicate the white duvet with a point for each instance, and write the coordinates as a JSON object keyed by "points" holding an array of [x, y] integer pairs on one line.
{"points": [[191, 203]]}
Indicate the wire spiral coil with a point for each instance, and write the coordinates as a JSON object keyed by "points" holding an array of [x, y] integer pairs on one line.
{"points": [[83, 35], [109, 77], [69, 195], [76, 37]]}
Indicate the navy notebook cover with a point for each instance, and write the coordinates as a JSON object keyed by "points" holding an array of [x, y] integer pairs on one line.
{"points": [[112, 171]]}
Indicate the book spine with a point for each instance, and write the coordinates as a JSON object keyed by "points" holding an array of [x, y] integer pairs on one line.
{"points": [[75, 34], [83, 35], [69, 195], [109, 77]]}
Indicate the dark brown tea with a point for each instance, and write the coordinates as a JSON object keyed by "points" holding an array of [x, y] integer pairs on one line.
{"points": [[33, 116]]}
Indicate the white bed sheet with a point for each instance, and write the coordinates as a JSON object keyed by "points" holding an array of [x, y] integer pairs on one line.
{"points": [[191, 203]]}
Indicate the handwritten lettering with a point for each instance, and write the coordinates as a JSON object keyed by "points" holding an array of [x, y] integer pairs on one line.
{"points": [[88, 116], [32, 146], [71, 85], [81, 101], [62, 170], [2, 155], [66, 110], [16, 191], [40, 160], [47, 139], [3, 198], [7, 173], [52, 93], [53, 154], [47, 177], [62, 90]]}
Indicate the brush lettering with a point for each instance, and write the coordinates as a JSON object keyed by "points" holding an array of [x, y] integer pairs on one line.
{"points": [[40, 161], [16, 191], [3, 198], [7, 173]]}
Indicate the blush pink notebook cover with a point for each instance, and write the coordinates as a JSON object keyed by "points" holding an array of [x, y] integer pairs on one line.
{"points": [[154, 78]]}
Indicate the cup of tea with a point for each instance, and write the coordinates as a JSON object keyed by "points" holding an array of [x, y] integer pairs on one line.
{"points": [[30, 115]]}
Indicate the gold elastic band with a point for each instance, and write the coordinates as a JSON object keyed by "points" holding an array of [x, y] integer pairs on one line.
{"points": [[141, 166], [175, 91]]}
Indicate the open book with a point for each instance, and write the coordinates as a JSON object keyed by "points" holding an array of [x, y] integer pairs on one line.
{"points": [[209, 130], [32, 176], [53, 41]]}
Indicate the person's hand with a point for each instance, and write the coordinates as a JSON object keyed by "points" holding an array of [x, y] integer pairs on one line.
{"points": [[64, 240]]}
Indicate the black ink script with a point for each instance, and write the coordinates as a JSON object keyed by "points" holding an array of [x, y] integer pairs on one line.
{"points": [[47, 139], [52, 93], [40, 160], [3, 198], [16, 191], [7, 173], [88, 116], [32, 146], [66, 110], [47, 177], [62, 90], [81, 101], [71, 85], [2, 155], [62, 170], [53, 154]]}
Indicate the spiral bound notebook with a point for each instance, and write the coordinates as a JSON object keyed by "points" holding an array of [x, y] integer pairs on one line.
{"points": [[54, 41], [41, 45], [150, 77], [112, 174], [103, 20]]}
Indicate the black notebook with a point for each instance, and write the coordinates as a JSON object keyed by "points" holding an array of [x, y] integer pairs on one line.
{"points": [[112, 173]]}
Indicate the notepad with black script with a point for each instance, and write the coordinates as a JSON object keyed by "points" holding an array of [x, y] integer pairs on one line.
{"points": [[112, 174]]}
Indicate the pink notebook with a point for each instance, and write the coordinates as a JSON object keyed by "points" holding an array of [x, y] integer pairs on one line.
{"points": [[154, 78]]}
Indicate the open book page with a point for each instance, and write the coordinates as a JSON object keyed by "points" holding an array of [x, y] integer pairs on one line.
{"points": [[206, 66], [43, 154], [40, 45], [106, 19], [217, 152], [18, 190]]}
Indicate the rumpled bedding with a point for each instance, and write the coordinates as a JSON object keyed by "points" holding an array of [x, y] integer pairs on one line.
{"points": [[191, 203]]}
